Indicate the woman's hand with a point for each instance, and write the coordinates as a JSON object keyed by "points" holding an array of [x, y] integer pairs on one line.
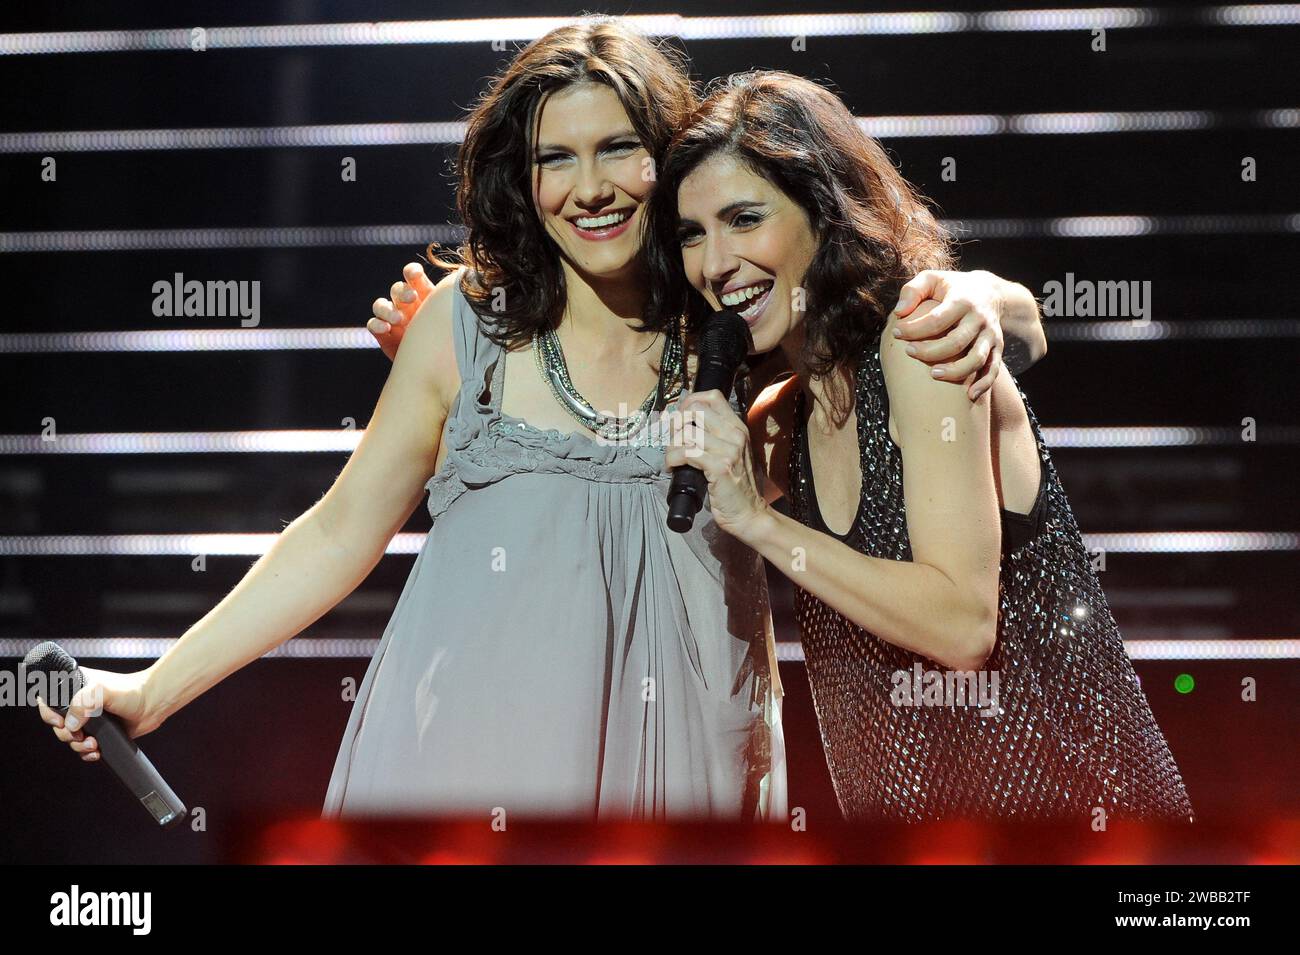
{"points": [[122, 694], [706, 433], [391, 315], [962, 337]]}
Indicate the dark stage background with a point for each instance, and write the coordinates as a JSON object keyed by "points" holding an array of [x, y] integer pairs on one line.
{"points": [[1140, 179]]}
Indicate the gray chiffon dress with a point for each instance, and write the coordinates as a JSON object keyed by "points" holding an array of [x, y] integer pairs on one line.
{"points": [[557, 650]]}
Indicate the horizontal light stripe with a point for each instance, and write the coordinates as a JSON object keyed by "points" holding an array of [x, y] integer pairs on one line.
{"points": [[1245, 649], [190, 340], [1255, 14], [253, 545], [168, 603], [1130, 331], [312, 339], [1066, 227], [1139, 649], [325, 648], [234, 137], [1192, 542], [150, 240], [517, 29], [185, 442], [450, 133], [1165, 437], [1061, 124], [524, 29], [164, 545], [292, 441], [1122, 226], [149, 648]]}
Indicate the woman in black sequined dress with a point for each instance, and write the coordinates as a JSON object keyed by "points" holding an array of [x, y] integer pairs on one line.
{"points": [[962, 658]]}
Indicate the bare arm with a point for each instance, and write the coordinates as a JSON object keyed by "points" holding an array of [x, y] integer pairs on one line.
{"points": [[958, 333], [982, 322], [943, 603], [770, 422], [328, 550], [1022, 324]]}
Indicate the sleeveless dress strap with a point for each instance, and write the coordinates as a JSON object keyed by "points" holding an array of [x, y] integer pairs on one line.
{"points": [[474, 350]]}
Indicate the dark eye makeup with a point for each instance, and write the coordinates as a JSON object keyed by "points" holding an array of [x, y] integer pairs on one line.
{"points": [[621, 145], [742, 220]]}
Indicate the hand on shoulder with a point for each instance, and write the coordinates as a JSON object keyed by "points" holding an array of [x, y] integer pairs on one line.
{"points": [[429, 344], [920, 403]]}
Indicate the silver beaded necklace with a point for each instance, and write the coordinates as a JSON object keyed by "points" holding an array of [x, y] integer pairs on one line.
{"points": [[551, 365]]}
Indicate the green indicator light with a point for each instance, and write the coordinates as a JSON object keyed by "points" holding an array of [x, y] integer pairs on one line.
{"points": [[1184, 683]]}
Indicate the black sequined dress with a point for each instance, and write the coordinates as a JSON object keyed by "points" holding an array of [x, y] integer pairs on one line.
{"points": [[1073, 730]]}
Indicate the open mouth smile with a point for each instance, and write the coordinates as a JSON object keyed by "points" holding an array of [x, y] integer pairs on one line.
{"points": [[750, 301], [601, 227]]}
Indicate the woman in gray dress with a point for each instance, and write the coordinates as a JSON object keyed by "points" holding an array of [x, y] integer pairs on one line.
{"points": [[555, 650]]}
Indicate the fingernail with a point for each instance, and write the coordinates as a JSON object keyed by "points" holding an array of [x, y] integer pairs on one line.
{"points": [[898, 332], [408, 295], [90, 744], [911, 349], [72, 723], [937, 372]]}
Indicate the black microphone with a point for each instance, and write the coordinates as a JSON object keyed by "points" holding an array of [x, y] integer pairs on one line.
{"points": [[724, 344], [119, 751]]}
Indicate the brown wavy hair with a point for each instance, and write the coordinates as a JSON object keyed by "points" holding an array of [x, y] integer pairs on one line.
{"points": [[873, 228], [506, 246]]}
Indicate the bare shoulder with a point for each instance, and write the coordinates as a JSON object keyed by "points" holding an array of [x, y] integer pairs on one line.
{"points": [[896, 364], [430, 338], [919, 403], [771, 424]]}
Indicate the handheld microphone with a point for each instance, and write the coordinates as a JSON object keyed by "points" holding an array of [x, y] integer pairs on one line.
{"points": [[724, 344], [119, 751]]}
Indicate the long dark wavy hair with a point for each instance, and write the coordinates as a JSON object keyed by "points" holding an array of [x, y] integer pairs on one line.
{"points": [[506, 245], [874, 230]]}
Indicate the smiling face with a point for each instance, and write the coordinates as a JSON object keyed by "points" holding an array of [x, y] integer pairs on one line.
{"points": [[589, 181], [746, 246]]}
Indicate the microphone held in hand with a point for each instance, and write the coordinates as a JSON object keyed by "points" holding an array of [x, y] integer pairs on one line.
{"points": [[724, 344], [63, 679]]}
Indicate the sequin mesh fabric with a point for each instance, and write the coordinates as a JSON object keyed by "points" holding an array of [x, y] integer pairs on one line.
{"points": [[1073, 730]]}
